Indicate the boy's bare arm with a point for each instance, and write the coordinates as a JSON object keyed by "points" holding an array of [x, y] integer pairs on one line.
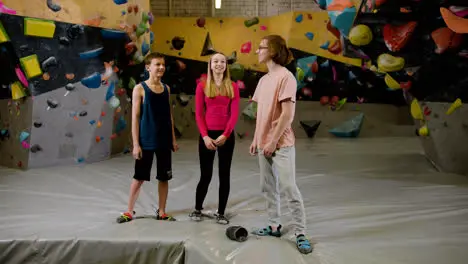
{"points": [[172, 118], [136, 104], [285, 119]]}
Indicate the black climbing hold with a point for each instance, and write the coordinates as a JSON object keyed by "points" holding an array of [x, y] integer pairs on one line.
{"points": [[37, 124], [53, 6], [49, 63], [75, 31], [436, 116], [35, 148], [64, 41], [445, 124], [83, 113], [178, 43], [208, 46], [69, 135], [23, 48], [52, 103], [310, 127], [233, 58]]}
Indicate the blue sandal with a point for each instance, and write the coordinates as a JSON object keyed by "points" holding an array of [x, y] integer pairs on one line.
{"points": [[303, 244], [266, 231]]}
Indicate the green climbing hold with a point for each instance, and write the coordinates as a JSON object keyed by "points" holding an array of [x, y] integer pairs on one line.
{"points": [[251, 22], [141, 29], [237, 71], [299, 74], [131, 83]]}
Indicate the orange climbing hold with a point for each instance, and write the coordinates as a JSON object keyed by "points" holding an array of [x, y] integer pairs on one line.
{"points": [[340, 5], [455, 23]]}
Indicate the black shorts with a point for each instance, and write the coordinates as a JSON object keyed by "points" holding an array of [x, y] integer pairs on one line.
{"points": [[144, 165]]}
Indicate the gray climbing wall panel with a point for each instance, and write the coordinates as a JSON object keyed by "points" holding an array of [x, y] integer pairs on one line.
{"points": [[67, 134], [447, 142]]}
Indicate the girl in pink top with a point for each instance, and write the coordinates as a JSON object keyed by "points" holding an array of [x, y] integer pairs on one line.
{"points": [[216, 111]]}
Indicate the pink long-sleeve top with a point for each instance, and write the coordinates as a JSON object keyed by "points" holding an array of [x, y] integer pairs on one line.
{"points": [[217, 113]]}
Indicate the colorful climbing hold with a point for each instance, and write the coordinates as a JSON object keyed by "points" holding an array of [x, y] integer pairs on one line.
{"points": [[309, 35], [112, 34], [6, 10], [92, 53], [53, 6], [39, 28], [3, 34], [360, 35], [92, 81], [299, 18], [325, 45], [201, 21], [30, 65], [455, 105], [246, 47], [251, 22], [120, 2], [17, 91]]}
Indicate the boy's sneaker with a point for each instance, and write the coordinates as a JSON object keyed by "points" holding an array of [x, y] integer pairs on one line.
{"points": [[221, 219], [125, 217], [196, 215]]}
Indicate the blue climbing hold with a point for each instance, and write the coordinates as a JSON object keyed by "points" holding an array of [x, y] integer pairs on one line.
{"points": [[23, 136], [343, 20], [350, 128], [120, 2], [151, 37], [299, 18], [93, 81], [112, 34], [92, 53], [325, 45], [121, 124], [145, 47], [309, 35], [110, 91]]}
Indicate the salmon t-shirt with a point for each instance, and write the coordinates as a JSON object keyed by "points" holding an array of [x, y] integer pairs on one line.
{"points": [[272, 89]]}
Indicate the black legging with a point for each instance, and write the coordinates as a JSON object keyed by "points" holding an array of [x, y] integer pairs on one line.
{"points": [[207, 156]]}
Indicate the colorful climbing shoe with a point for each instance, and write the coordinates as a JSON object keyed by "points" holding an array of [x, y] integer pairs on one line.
{"points": [[164, 217], [267, 231], [196, 215], [125, 217], [389, 63], [445, 39], [221, 219], [396, 37], [454, 22], [303, 244]]}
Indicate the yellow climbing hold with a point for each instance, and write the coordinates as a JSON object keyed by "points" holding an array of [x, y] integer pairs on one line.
{"points": [[391, 83], [39, 28], [31, 66], [360, 35], [455, 105], [3, 34], [423, 131], [299, 74], [389, 63], [17, 91], [416, 111]]}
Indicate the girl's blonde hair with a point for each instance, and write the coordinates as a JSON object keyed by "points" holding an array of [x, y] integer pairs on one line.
{"points": [[210, 87]]}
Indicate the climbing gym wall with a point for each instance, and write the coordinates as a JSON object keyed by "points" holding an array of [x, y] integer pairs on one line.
{"points": [[419, 50], [63, 98]]}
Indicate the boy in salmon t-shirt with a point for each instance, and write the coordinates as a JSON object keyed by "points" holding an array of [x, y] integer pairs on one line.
{"points": [[274, 139]]}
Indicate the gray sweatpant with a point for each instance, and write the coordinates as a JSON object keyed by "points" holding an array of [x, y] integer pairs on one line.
{"points": [[277, 176]]}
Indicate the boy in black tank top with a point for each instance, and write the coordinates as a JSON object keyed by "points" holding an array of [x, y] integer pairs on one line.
{"points": [[153, 134]]}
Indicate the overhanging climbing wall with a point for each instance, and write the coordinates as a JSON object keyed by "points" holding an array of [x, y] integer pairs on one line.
{"points": [[305, 31]]}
